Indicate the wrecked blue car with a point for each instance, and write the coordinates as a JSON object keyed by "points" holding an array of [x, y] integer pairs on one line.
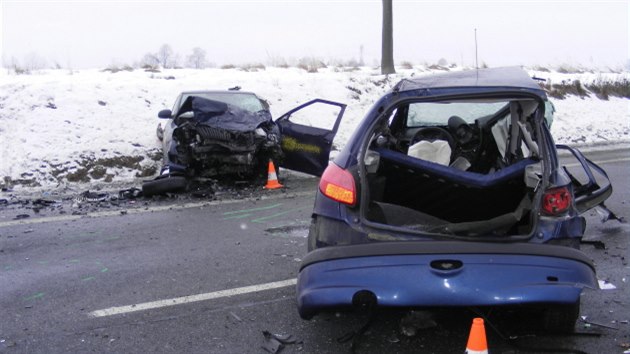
{"points": [[231, 134], [450, 194]]}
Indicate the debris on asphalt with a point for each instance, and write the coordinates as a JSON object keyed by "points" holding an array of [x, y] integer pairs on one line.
{"points": [[235, 316], [393, 339], [130, 193], [203, 193], [44, 202], [7, 343], [606, 214], [599, 245], [274, 343], [606, 285], [415, 321], [588, 323], [91, 197]]}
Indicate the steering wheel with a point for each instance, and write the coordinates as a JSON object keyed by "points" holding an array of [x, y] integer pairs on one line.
{"points": [[432, 134]]}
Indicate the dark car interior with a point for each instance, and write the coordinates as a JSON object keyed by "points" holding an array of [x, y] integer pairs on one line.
{"points": [[447, 174]]}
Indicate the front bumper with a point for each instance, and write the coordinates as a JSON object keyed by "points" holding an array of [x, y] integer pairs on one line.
{"points": [[444, 273]]}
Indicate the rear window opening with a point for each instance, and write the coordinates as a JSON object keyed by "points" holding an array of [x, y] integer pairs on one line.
{"points": [[465, 167]]}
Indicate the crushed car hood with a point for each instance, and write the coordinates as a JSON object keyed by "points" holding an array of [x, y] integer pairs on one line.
{"points": [[222, 115]]}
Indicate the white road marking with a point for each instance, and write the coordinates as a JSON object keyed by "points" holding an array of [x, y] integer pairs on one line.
{"points": [[107, 213], [192, 298]]}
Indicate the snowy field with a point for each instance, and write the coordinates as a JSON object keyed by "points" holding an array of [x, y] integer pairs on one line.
{"points": [[60, 127]]}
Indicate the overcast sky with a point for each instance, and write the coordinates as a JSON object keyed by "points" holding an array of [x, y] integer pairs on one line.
{"points": [[85, 34]]}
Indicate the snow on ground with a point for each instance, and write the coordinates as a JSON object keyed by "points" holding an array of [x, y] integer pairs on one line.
{"points": [[58, 126]]}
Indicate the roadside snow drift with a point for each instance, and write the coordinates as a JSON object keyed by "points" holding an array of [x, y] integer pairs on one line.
{"points": [[63, 126]]}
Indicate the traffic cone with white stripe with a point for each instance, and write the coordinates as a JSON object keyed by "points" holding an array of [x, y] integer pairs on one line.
{"points": [[272, 177], [477, 343]]}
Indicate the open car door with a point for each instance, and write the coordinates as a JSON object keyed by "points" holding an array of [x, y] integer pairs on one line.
{"points": [[590, 191], [307, 133]]}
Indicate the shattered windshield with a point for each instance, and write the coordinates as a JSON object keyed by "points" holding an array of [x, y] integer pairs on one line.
{"points": [[438, 113], [248, 102]]}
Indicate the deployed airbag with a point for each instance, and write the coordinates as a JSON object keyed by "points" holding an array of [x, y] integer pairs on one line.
{"points": [[437, 151]]}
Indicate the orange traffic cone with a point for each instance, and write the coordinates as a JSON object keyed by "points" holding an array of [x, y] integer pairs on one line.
{"points": [[477, 343], [272, 177]]}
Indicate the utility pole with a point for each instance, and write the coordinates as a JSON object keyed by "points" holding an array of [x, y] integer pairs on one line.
{"points": [[476, 58], [387, 48]]}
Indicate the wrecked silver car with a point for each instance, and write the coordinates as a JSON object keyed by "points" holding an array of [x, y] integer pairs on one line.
{"points": [[212, 133], [231, 134]]}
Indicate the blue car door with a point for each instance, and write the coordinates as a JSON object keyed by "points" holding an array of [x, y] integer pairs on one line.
{"points": [[307, 133]]}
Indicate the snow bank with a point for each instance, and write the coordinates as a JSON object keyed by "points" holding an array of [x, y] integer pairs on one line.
{"points": [[58, 125]]}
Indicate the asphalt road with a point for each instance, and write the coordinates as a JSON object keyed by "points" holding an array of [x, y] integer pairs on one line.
{"points": [[198, 276]]}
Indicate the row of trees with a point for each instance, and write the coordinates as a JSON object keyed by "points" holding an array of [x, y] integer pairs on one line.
{"points": [[167, 58]]}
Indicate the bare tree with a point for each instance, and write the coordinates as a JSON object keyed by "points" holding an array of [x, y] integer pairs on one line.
{"points": [[150, 60], [164, 55], [387, 44], [197, 59]]}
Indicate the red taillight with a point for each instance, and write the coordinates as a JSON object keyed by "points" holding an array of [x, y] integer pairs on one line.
{"points": [[338, 184], [556, 201]]}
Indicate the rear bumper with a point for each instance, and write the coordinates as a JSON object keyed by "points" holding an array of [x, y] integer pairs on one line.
{"points": [[417, 274]]}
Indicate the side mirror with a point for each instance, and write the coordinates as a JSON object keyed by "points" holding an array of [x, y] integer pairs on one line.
{"points": [[165, 114]]}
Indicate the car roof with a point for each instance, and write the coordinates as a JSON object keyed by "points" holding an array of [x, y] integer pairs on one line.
{"points": [[499, 78]]}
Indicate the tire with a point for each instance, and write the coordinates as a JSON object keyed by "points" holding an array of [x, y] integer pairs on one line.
{"points": [[306, 315], [164, 185], [561, 318]]}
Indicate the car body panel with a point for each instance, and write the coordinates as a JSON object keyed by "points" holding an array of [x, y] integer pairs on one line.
{"points": [[307, 149], [409, 280], [590, 194]]}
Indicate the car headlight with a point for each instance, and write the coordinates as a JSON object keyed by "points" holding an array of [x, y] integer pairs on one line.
{"points": [[260, 132]]}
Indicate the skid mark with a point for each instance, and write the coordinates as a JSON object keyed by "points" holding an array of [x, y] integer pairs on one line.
{"points": [[34, 296], [261, 219], [236, 217], [253, 209]]}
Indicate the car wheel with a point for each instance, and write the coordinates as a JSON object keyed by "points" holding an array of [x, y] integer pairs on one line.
{"points": [[164, 185], [561, 318], [306, 315]]}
